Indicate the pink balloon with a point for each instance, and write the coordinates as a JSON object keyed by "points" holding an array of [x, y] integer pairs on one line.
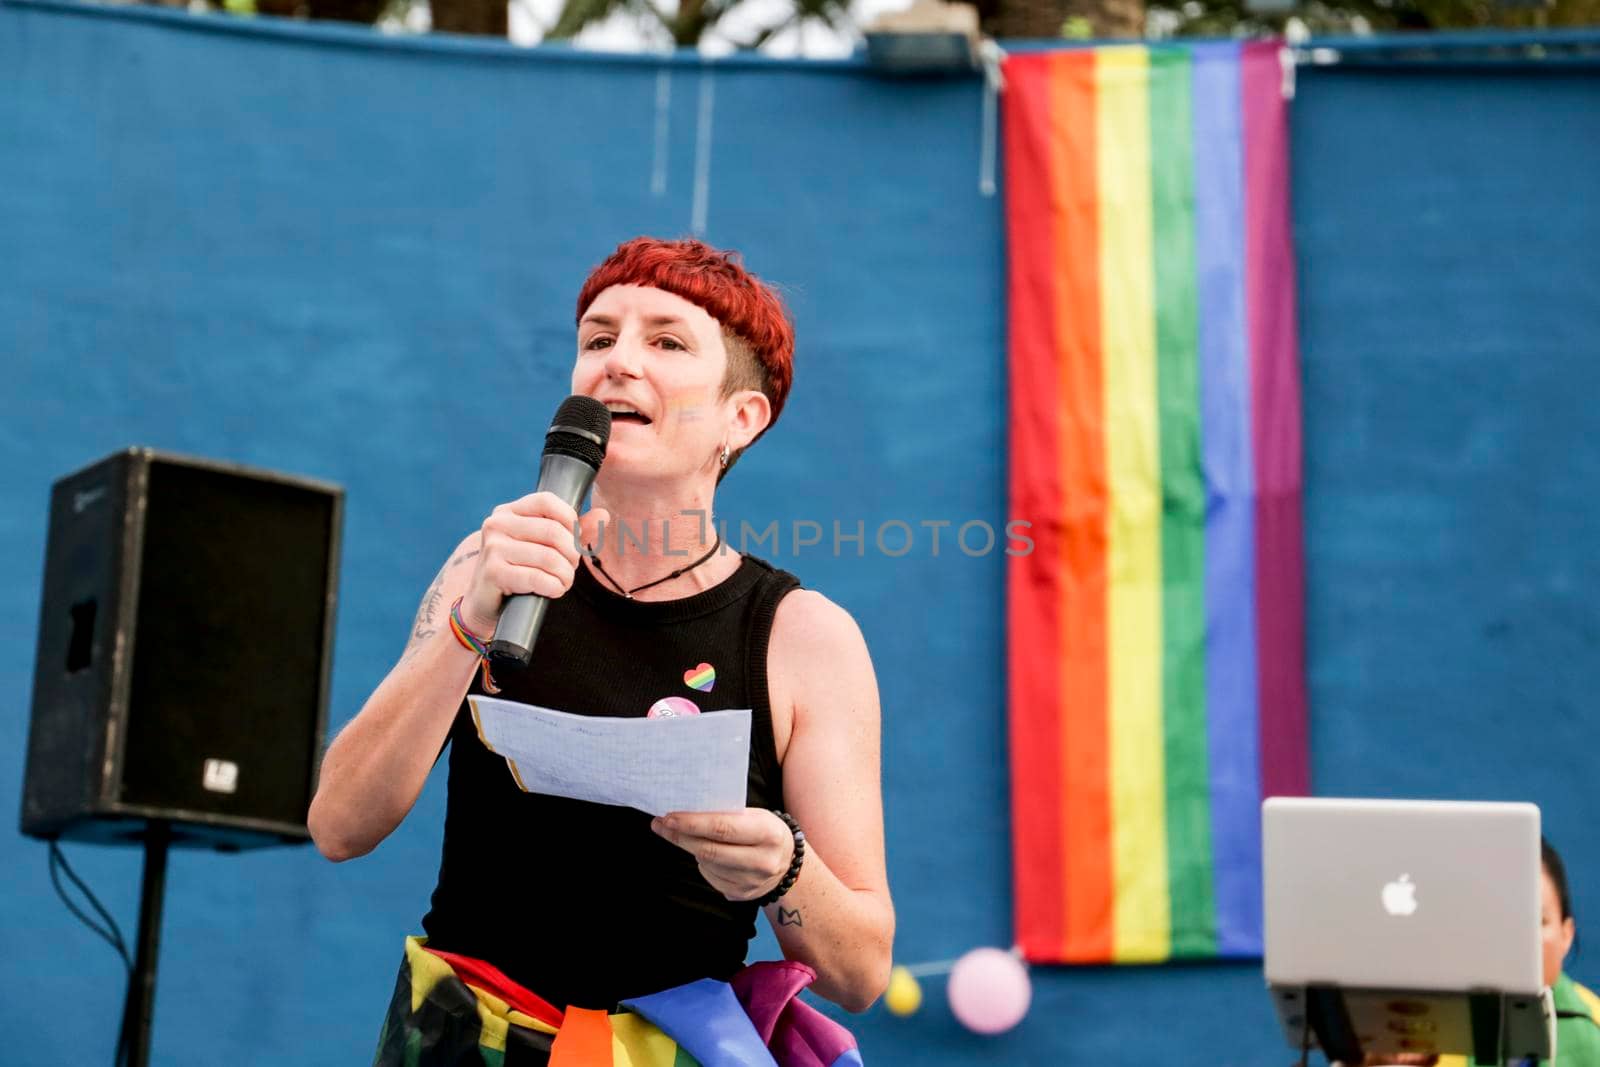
{"points": [[989, 990]]}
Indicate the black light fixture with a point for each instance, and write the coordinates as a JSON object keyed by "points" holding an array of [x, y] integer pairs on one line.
{"points": [[929, 37]]}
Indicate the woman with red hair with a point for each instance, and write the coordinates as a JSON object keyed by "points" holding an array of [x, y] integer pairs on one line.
{"points": [[585, 905]]}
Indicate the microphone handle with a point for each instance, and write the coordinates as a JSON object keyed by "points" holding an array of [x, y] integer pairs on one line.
{"points": [[569, 479]]}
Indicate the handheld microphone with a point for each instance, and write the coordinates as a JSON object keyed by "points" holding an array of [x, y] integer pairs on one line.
{"points": [[574, 448]]}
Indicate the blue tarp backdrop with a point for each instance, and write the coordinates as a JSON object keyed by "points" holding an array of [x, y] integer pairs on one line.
{"points": [[319, 251]]}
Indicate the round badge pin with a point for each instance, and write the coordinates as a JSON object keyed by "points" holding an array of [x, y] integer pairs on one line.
{"points": [[672, 708]]}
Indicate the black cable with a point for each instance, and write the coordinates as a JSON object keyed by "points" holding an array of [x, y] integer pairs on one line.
{"points": [[112, 936]]}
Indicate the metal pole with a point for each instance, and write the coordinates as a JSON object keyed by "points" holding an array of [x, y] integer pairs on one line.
{"points": [[142, 987]]}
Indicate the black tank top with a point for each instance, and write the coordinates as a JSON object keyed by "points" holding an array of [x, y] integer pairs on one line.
{"points": [[582, 903]]}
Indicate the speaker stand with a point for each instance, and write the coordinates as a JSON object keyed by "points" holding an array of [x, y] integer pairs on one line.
{"points": [[141, 1003]]}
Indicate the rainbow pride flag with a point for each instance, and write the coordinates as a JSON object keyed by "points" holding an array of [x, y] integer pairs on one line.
{"points": [[449, 1009], [1156, 631]]}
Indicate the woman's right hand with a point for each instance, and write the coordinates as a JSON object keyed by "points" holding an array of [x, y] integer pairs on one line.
{"points": [[526, 546]]}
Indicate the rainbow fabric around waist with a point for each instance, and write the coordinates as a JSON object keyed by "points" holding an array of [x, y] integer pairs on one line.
{"points": [[451, 1010]]}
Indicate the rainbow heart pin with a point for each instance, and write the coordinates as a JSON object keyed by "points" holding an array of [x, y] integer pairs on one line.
{"points": [[702, 677]]}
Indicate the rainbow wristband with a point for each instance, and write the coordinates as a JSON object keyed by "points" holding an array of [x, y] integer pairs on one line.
{"points": [[464, 635], [472, 641]]}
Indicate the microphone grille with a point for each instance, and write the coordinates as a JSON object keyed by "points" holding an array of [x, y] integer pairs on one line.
{"points": [[581, 429]]}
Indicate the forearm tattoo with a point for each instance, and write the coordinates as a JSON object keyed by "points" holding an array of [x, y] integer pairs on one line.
{"points": [[427, 621], [789, 916], [429, 616]]}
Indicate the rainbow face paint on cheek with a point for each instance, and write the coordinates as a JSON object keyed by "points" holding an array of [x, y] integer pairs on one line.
{"points": [[686, 411], [686, 404]]}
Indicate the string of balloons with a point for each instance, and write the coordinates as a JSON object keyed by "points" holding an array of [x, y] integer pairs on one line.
{"points": [[989, 989]]}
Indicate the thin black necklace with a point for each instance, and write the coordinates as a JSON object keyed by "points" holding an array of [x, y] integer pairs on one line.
{"points": [[594, 558]]}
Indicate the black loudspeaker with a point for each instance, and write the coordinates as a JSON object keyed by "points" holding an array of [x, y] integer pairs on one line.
{"points": [[185, 641]]}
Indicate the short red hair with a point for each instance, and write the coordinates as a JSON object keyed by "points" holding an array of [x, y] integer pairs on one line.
{"points": [[715, 281]]}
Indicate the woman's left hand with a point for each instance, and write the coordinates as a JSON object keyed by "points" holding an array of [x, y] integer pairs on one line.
{"points": [[743, 854]]}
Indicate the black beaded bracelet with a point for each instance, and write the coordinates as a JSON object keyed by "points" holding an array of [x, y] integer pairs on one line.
{"points": [[793, 873]]}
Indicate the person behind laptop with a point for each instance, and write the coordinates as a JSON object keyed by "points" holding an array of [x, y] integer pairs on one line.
{"points": [[1577, 1009]]}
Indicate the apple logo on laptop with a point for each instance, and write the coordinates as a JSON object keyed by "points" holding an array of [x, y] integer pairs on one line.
{"points": [[1400, 897]]}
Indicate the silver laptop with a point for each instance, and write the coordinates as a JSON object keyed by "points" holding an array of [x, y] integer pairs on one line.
{"points": [[1405, 906]]}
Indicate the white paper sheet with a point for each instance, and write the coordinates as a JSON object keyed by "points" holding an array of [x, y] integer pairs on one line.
{"points": [[692, 763]]}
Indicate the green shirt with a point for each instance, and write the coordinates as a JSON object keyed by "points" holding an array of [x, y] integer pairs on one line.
{"points": [[1577, 1025]]}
